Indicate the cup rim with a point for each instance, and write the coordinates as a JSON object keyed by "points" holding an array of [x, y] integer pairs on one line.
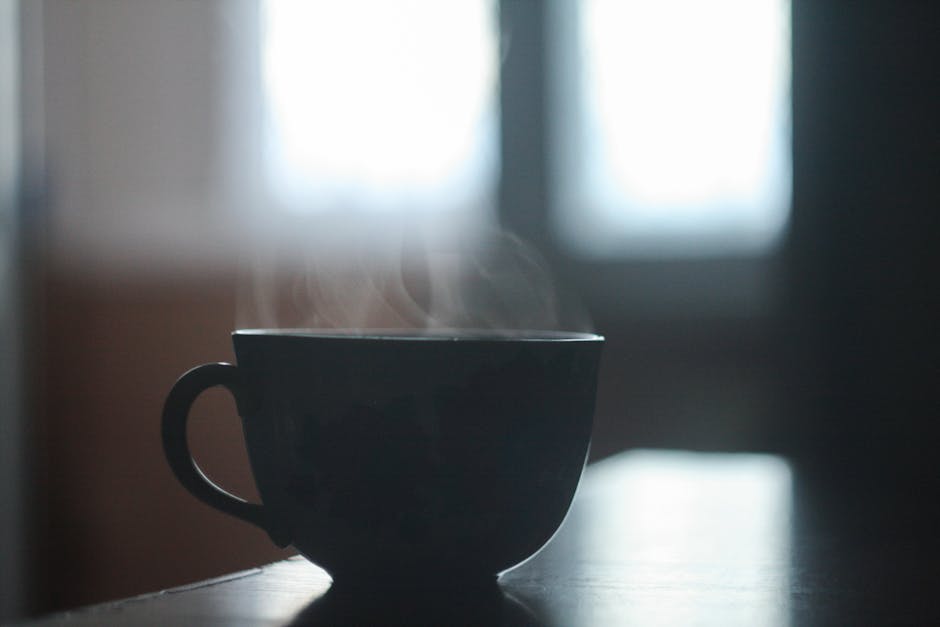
{"points": [[425, 335]]}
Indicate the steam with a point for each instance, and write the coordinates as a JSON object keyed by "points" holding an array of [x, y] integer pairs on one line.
{"points": [[406, 281]]}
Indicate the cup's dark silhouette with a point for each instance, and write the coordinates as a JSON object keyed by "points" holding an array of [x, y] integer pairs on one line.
{"points": [[413, 459]]}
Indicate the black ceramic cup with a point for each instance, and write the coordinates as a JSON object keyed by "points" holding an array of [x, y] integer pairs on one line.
{"points": [[419, 458]]}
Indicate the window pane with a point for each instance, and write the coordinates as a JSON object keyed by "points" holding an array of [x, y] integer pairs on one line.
{"points": [[671, 126], [380, 106]]}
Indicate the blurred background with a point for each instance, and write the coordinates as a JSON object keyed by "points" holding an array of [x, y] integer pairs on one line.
{"points": [[741, 194]]}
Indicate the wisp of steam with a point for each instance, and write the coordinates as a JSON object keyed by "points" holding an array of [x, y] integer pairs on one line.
{"points": [[493, 281]]}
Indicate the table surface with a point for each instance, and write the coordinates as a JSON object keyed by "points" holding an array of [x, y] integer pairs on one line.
{"points": [[653, 538]]}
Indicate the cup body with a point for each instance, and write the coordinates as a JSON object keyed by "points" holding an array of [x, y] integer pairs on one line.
{"points": [[422, 456]]}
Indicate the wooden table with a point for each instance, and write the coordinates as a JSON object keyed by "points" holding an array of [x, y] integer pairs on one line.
{"points": [[653, 538]]}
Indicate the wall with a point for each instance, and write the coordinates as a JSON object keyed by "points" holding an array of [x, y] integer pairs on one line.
{"points": [[138, 243], [12, 440], [117, 521], [864, 239]]}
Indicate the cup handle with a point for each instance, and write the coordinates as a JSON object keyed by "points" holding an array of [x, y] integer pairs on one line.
{"points": [[176, 446]]}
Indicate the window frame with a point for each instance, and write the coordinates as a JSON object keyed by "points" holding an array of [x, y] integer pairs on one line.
{"points": [[728, 287]]}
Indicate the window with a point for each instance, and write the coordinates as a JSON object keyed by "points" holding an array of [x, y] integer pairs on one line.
{"points": [[671, 126], [380, 107], [668, 120]]}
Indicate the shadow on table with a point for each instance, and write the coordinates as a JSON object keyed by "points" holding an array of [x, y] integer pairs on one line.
{"points": [[486, 605]]}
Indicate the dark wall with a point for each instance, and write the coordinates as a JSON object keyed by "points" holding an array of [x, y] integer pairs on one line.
{"points": [[12, 433], [864, 247]]}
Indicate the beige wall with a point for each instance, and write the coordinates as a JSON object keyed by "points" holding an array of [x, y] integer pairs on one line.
{"points": [[116, 521], [139, 237], [145, 137]]}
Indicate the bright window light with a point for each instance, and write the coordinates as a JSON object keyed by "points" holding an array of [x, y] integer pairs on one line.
{"points": [[675, 137], [380, 106]]}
